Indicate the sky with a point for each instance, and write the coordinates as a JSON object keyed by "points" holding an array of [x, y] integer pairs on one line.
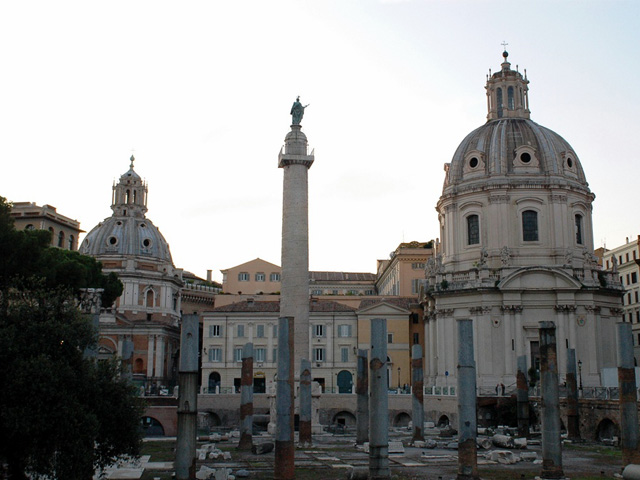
{"points": [[200, 92]]}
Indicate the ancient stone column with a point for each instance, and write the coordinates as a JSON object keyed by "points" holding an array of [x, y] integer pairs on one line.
{"points": [[246, 399], [417, 388], [304, 425], [628, 399], [522, 397], [294, 289], [550, 411], [379, 413], [187, 399], [467, 448], [362, 399], [284, 466], [573, 412]]}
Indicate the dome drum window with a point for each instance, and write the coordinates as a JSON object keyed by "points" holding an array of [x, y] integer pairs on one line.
{"points": [[146, 243], [112, 242], [569, 163]]}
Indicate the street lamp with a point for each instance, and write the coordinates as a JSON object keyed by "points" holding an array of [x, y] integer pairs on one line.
{"points": [[398, 379], [580, 375]]}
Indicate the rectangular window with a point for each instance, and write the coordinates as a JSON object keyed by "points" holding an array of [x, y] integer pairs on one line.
{"points": [[318, 354], [243, 277], [260, 331], [415, 286], [389, 337], [629, 298], [274, 277], [260, 277], [275, 355], [275, 331], [620, 260], [316, 292], [416, 338], [318, 330], [237, 354], [634, 254], [627, 256], [638, 316], [473, 230], [628, 279], [415, 318], [636, 293], [579, 229], [214, 330], [240, 331], [344, 354], [260, 354], [368, 292], [344, 331], [215, 354], [634, 277], [417, 266], [529, 226], [607, 264]]}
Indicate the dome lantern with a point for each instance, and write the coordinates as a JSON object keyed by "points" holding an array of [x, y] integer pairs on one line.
{"points": [[130, 195], [507, 93]]}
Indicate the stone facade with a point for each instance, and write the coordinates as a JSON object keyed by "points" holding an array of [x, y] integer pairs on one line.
{"points": [[64, 230]]}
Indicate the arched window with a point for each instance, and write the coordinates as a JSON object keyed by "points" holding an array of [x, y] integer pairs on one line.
{"points": [[530, 226], [473, 230], [499, 101], [579, 235], [126, 196], [510, 104], [149, 298], [61, 239], [70, 242]]}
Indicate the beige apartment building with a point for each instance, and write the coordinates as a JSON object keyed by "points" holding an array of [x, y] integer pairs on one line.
{"points": [[64, 230], [624, 260], [403, 273]]}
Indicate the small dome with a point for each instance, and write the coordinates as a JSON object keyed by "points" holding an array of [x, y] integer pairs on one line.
{"points": [[513, 147], [126, 236]]}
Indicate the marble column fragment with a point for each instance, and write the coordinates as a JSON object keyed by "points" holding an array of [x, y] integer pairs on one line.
{"points": [[522, 397], [187, 399], [573, 412], [379, 415], [246, 399], [284, 466], [362, 398], [628, 398], [417, 384], [467, 447], [550, 411], [305, 404]]}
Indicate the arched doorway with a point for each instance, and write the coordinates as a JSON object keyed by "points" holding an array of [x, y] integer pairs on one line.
{"points": [[402, 420], [214, 382], [443, 421], [345, 382], [606, 430], [152, 427]]}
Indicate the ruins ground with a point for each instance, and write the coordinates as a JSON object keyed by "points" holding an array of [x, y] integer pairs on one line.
{"points": [[332, 455]]}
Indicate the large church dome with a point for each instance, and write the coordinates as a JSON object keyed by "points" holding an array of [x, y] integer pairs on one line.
{"points": [[127, 231], [510, 144]]}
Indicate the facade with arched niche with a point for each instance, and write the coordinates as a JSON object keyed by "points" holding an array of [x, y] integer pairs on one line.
{"points": [[143, 325], [516, 249]]}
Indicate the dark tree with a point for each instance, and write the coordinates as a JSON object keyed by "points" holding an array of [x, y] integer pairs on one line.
{"points": [[62, 414]]}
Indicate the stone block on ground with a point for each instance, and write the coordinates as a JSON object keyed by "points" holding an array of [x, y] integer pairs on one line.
{"points": [[396, 447], [503, 456], [262, 448]]}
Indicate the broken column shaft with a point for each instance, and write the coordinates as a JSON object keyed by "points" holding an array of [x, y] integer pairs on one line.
{"points": [[362, 399], [379, 416], [573, 413], [187, 399], [467, 448], [284, 467], [246, 399], [628, 399], [304, 428], [551, 446], [417, 384], [522, 397]]}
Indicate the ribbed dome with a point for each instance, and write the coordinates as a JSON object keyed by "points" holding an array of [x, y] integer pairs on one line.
{"points": [[127, 231], [517, 147], [126, 236]]}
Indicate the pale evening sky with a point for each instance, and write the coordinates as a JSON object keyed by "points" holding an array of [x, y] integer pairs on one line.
{"points": [[201, 91]]}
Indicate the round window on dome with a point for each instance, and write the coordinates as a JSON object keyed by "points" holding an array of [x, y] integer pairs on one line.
{"points": [[118, 223], [146, 243], [569, 163], [112, 241], [473, 163], [525, 157], [142, 225]]}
